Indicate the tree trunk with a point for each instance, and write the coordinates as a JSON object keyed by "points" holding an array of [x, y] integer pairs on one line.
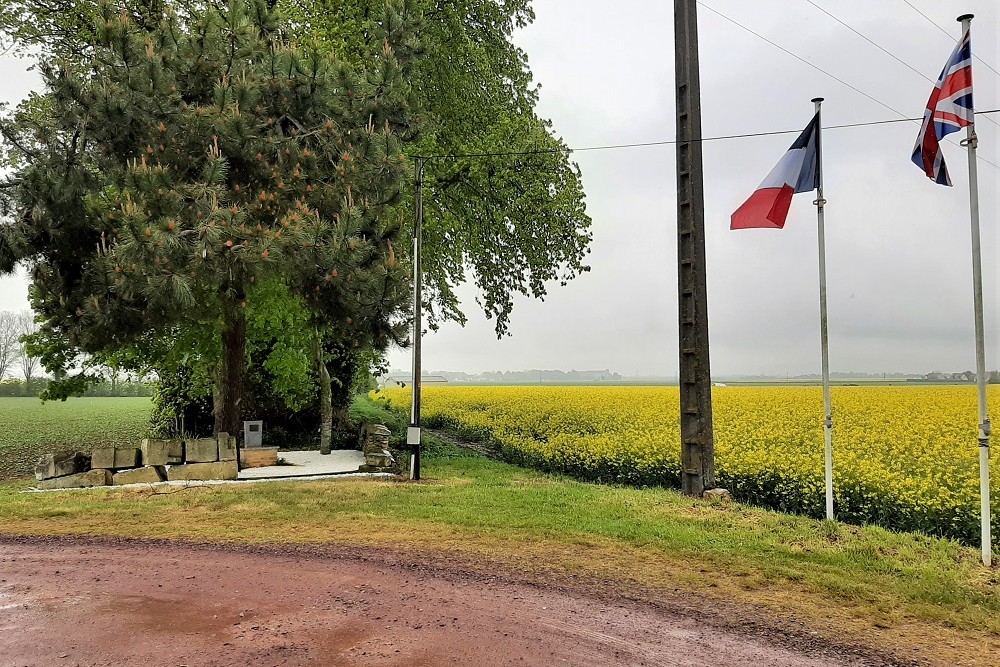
{"points": [[344, 363], [215, 373], [325, 400], [341, 419], [230, 394]]}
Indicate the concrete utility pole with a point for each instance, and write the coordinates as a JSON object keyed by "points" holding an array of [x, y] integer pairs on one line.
{"points": [[697, 439], [413, 432]]}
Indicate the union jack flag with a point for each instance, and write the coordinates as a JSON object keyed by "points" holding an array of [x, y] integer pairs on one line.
{"points": [[948, 110]]}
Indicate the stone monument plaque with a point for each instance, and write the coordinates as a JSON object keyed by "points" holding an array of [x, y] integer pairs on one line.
{"points": [[253, 433]]}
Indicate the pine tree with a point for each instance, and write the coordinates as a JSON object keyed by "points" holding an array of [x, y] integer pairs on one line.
{"points": [[188, 162]]}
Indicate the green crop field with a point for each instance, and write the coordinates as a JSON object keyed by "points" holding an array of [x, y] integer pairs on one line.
{"points": [[32, 428]]}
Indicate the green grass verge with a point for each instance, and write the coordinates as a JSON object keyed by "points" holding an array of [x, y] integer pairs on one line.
{"points": [[890, 589], [32, 428]]}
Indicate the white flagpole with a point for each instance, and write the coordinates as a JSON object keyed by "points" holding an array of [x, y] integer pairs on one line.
{"points": [[970, 143], [824, 339]]}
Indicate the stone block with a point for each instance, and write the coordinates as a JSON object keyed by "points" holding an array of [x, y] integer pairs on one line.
{"points": [[716, 494], [258, 457], [154, 452], [376, 438], [103, 458], [202, 450], [60, 465], [144, 475], [175, 451], [203, 471], [382, 459], [96, 477], [126, 457], [227, 447]]}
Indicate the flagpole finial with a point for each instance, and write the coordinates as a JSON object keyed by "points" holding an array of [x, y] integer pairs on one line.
{"points": [[816, 100], [965, 17]]}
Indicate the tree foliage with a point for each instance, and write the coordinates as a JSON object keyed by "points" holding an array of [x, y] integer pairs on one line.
{"points": [[184, 162], [510, 224]]}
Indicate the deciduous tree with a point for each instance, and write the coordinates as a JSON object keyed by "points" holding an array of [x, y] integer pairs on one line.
{"points": [[25, 327], [511, 224], [9, 345]]}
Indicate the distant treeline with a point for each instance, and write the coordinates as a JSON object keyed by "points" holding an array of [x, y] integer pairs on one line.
{"points": [[117, 389]]}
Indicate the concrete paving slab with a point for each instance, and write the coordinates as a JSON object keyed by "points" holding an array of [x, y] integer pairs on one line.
{"points": [[226, 482], [299, 464]]}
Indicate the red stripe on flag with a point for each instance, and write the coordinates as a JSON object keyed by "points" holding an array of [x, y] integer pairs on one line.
{"points": [[930, 150], [933, 101], [955, 82], [766, 208], [944, 117]]}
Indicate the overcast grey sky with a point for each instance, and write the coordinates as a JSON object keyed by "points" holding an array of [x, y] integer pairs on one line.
{"points": [[898, 246]]}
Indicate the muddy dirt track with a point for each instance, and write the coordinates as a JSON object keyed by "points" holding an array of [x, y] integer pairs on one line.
{"points": [[77, 602]]}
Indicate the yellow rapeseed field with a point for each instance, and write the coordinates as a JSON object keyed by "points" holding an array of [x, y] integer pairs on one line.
{"points": [[904, 457]]}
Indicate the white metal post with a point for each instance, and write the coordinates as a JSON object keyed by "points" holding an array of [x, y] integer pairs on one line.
{"points": [[977, 291], [824, 339]]}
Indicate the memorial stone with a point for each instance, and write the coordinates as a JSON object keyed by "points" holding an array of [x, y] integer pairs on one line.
{"points": [[253, 433]]}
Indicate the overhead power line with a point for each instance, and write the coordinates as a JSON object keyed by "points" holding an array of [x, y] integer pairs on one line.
{"points": [[669, 142], [902, 119], [873, 43], [823, 71], [801, 59], [950, 36], [883, 49]]}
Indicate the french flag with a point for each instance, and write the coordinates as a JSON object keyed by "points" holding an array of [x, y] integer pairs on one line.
{"points": [[796, 171]]}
